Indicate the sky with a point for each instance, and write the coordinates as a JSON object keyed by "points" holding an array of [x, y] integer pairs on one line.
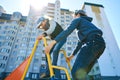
{"points": [[111, 8]]}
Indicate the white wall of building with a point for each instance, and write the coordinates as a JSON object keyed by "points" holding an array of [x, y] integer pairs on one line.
{"points": [[109, 61]]}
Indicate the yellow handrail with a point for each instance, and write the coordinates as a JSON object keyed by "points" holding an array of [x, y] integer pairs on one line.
{"points": [[62, 68], [52, 66], [64, 52], [30, 59], [49, 60]]}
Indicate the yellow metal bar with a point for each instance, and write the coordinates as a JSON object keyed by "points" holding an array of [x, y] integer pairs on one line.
{"points": [[51, 66], [66, 71], [49, 60], [30, 59], [64, 52]]}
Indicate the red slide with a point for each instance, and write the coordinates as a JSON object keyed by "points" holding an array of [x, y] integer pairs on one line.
{"points": [[18, 72]]}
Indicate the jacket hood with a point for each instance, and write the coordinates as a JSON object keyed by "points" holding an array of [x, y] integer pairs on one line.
{"points": [[87, 18]]}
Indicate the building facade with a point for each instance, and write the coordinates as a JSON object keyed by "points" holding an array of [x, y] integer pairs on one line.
{"points": [[107, 67], [18, 34], [17, 37]]}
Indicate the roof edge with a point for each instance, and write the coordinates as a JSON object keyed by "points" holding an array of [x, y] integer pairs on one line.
{"points": [[93, 4]]}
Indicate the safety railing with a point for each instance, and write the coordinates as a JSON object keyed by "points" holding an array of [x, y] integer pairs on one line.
{"points": [[68, 62], [30, 59], [51, 67]]}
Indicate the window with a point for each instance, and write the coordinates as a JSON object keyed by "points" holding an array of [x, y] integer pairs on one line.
{"points": [[20, 30], [27, 75], [9, 38], [29, 52], [69, 48], [1, 57], [1, 43], [36, 60], [33, 34], [62, 13], [37, 54], [31, 45], [50, 12], [67, 20], [7, 44], [17, 40], [69, 54], [32, 39], [67, 24], [35, 68], [69, 43], [11, 32], [74, 43], [22, 51], [12, 59], [34, 75], [62, 25], [5, 50], [67, 16], [6, 27], [2, 37], [2, 65], [3, 32], [14, 52], [4, 57], [51, 5], [16, 46], [93, 70], [62, 55], [62, 16], [74, 37], [23, 45], [44, 58], [97, 68], [15, 27], [63, 76], [62, 20], [21, 58], [25, 39], [10, 67]]}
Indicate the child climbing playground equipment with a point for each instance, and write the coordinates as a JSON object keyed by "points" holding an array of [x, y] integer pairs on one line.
{"points": [[20, 72]]}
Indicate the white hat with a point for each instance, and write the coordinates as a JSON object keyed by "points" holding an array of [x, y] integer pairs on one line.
{"points": [[39, 21]]}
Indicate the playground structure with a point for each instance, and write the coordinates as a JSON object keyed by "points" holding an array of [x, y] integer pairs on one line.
{"points": [[20, 72]]}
